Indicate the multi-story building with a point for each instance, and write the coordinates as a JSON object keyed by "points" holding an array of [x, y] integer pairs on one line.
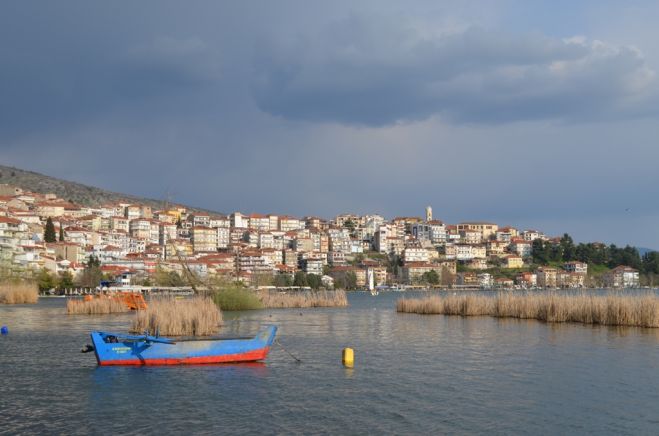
{"points": [[546, 277], [303, 245], [255, 262], [219, 221], [238, 220], [421, 231], [167, 232], [203, 239], [339, 239], [622, 277], [342, 220], [521, 247], [531, 235], [289, 223], [259, 222], [527, 280], [566, 279], [412, 271], [266, 240], [485, 280], [507, 232], [48, 209], [465, 252], [414, 254], [513, 261], [200, 220], [312, 222], [223, 236], [336, 258], [290, 258], [467, 278], [496, 248], [576, 267], [471, 237], [313, 266], [139, 228], [486, 229]]}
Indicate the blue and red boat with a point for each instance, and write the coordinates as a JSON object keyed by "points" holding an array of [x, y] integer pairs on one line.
{"points": [[120, 349]]}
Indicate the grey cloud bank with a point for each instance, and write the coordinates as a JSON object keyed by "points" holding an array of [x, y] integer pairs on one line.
{"points": [[324, 108], [358, 73]]}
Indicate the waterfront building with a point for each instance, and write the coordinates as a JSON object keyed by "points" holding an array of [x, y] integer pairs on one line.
{"points": [[546, 277], [622, 277], [413, 271]]}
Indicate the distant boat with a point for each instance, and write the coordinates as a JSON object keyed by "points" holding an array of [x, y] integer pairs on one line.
{"points": [[371, 282], [120, 349]]}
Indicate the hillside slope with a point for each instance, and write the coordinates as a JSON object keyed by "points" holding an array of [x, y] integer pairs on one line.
{"points": [[72, 191]]}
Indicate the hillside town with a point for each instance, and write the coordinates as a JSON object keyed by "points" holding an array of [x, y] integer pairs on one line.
{"points": [[134, 242]]}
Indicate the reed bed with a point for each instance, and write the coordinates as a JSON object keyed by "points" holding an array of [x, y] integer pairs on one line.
{"points": [[19, 293], [280, 300], [614, 310], [96, 306], [198, 316]]}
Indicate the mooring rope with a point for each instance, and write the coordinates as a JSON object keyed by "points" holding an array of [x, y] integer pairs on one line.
{"points": [[289, 353]]}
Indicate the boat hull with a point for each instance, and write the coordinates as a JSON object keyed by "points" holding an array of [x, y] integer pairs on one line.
{"points": [[143, 352]]}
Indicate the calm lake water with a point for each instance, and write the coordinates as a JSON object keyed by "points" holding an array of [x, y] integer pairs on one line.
{"points": [[413, 374]]}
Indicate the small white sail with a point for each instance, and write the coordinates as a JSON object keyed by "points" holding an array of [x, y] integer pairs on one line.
{"points": [[371, 282]]}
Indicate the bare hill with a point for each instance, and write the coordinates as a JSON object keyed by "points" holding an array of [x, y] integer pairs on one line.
{"points": [[72, 191]]}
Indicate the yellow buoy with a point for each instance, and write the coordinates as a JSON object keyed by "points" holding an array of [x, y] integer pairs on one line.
{"points": [[348, 357]]}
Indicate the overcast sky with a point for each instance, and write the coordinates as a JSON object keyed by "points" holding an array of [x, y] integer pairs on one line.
{"points": [[529, 113]]}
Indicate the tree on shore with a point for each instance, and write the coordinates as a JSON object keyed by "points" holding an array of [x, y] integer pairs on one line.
{"points": [[430, 277], [447, 277], [314, 281], [65, 280], [282, 280], [49, 233], [351, 280], [567, 248], [92, 274], [651, 262], [45, 280], [61, 233], [167, 278], [300, 279]]}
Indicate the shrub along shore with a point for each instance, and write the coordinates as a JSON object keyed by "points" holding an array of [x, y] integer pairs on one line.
{"points": [[614, 310]]}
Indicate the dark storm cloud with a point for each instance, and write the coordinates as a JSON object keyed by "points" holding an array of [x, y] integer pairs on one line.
{"points": [[167, 97], [379, 73], [68, 84]]}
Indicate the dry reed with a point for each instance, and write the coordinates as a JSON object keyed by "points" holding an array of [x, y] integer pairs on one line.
{"points": [[615, 310], [96, 306], [19, 293], [280, 300], [198, 316]]}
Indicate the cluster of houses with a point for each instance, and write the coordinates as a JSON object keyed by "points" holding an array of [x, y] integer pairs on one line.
{"points": [[250, 247]]}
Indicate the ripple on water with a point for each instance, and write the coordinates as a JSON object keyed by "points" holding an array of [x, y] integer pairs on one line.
{"points": [[413, 374]]}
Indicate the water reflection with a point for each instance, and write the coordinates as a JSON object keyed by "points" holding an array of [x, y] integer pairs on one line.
{"points": [[413, 374]]}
